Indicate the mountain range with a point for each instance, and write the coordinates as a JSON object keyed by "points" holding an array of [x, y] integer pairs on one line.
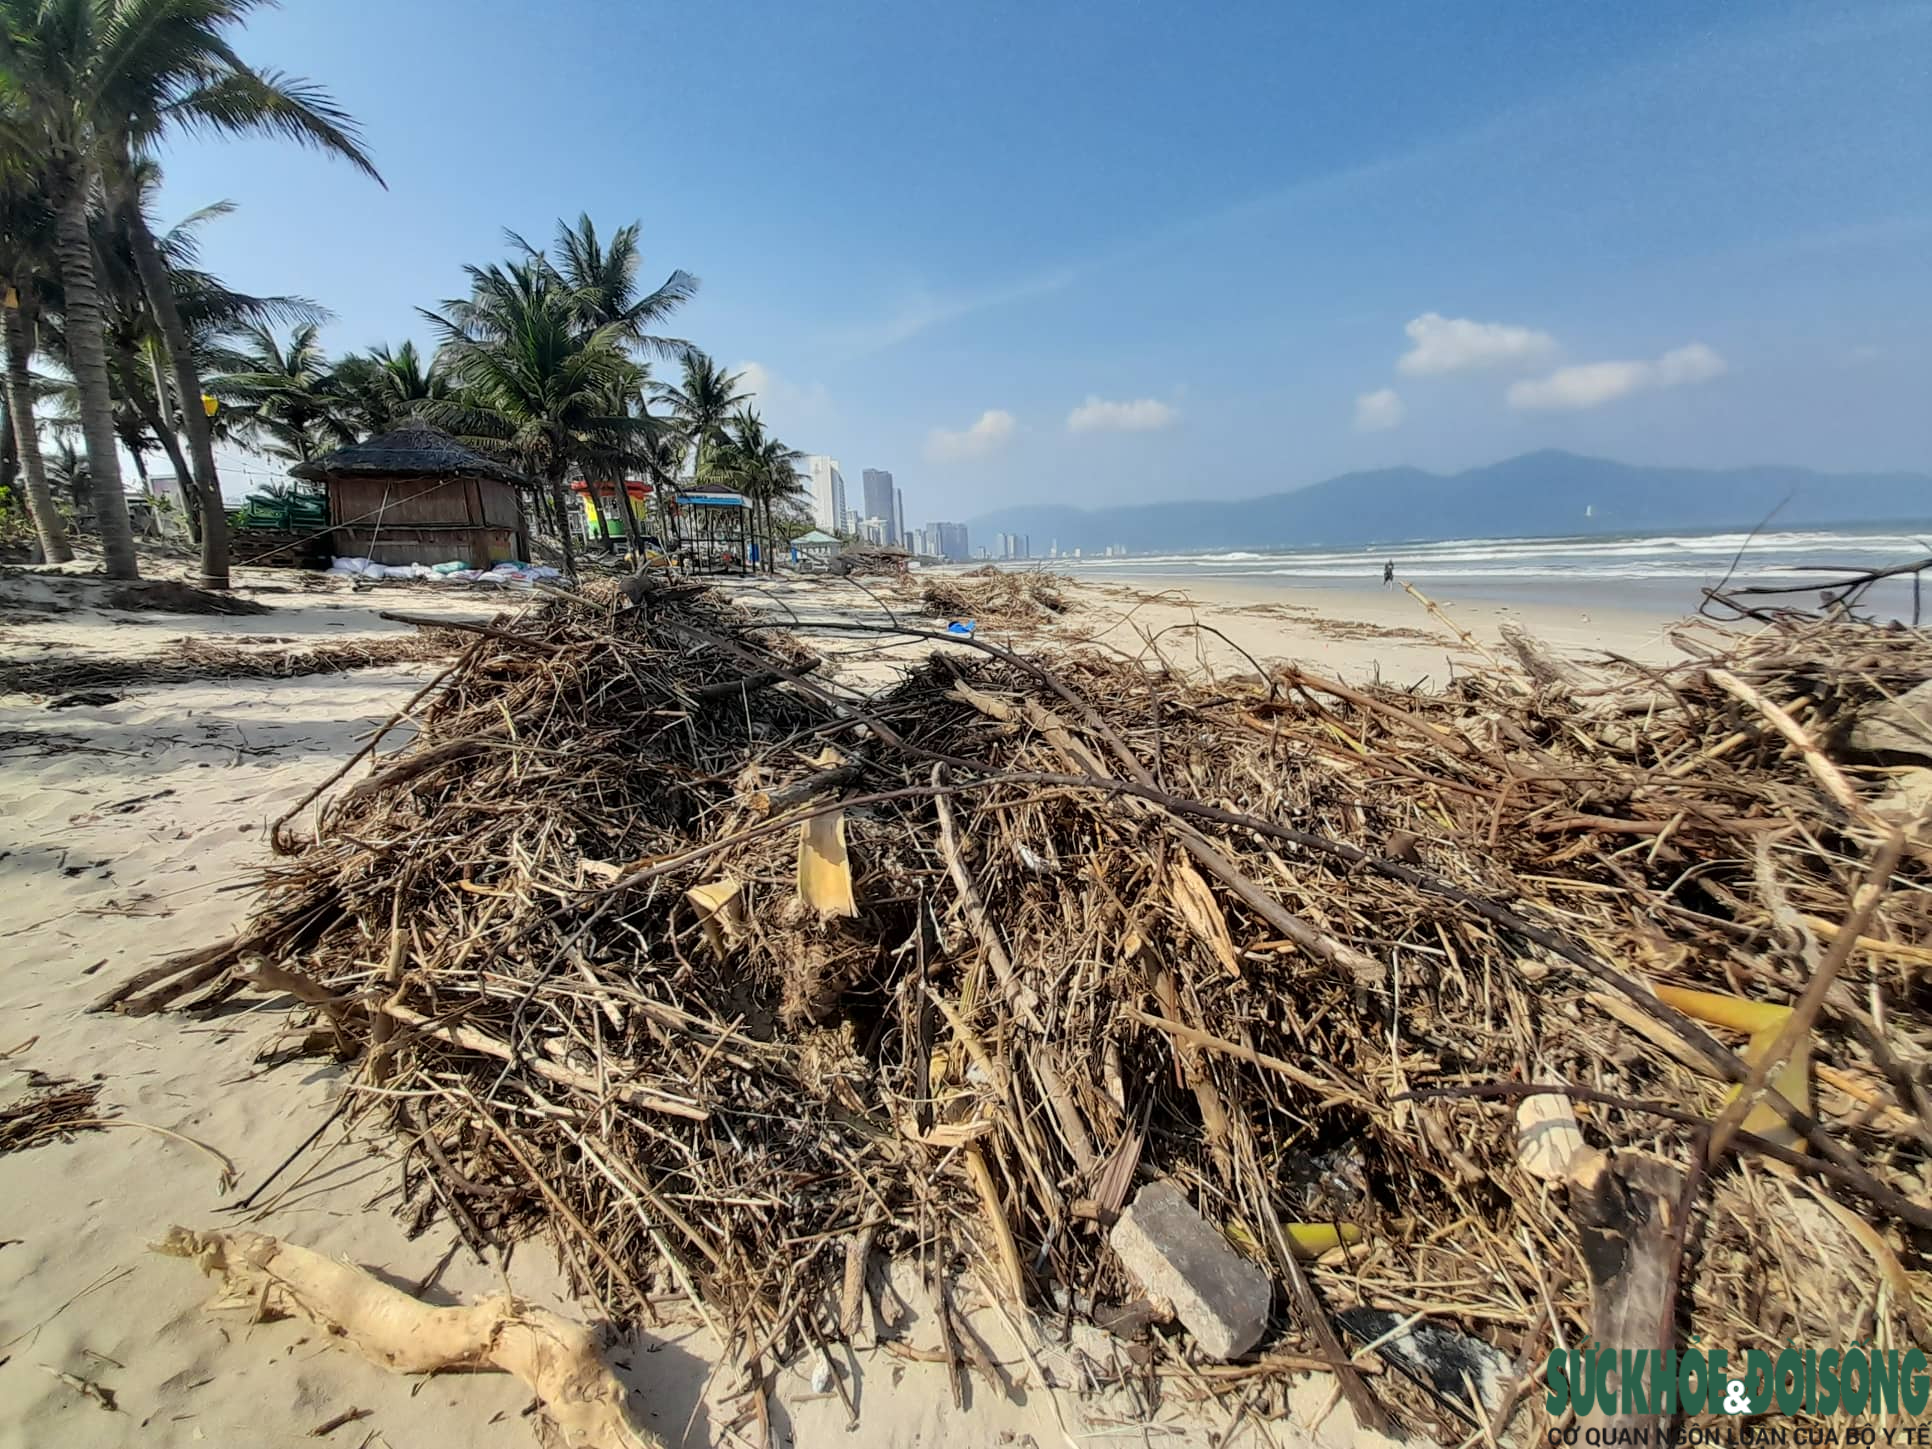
{"points": [[1536, 495]]}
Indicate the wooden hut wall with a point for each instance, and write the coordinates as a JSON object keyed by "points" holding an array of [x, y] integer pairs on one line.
{"points": [[421, 520]]}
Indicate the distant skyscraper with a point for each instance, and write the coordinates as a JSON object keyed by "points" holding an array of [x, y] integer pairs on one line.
{"points": [[876, 501], [828, 492], [948, 541], [899, 516]]}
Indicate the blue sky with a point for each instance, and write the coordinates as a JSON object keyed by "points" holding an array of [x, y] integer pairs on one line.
{"points": [[1113, 252]]}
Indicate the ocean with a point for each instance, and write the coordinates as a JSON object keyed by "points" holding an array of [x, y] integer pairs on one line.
{"points": [[1659, 571]]}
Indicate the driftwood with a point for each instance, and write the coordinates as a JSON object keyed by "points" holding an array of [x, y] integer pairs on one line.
{"points": [[576, 1388], [1626, 1208]]}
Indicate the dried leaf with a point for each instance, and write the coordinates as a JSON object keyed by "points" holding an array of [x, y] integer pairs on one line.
{"points": [[720, 906], [1202, 912], [824, 871]]}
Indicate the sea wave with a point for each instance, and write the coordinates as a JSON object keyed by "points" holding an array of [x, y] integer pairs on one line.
{"points": [[1652, 557]]}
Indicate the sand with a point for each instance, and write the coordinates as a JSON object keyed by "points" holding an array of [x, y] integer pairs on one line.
{"points": [[1353, 634], [129, 830]]}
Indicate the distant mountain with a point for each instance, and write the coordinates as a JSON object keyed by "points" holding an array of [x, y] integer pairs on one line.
{"points": [[1546, 494]]}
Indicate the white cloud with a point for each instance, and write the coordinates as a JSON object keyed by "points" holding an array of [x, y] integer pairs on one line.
{"points": [[753, 378], [1456, 344], [779, 398], [993, 431], [1097, 415], [1377, 412], [1592, 384]]}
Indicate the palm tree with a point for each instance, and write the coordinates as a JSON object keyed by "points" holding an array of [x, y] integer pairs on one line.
{"points": [[97, 83], [764, 470], [601, 278], [26, 251], [702, 403], [382, 389], [47, 67], [533, 383], [205, 307], [284, 392]]}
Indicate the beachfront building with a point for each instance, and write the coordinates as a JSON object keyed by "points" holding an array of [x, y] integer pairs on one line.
{"points": [[899, 514], [874, 530], [815, 550], [875, 499], [827, 491], [417, 496]]}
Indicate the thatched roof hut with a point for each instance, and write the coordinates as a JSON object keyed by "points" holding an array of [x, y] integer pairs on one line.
{"points": [[416, 495]]}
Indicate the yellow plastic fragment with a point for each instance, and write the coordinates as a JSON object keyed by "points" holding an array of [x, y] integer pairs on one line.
{"points": [[1763, 1023]]}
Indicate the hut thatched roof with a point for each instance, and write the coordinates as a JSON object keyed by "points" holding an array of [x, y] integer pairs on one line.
{"points": [[415, 450]]}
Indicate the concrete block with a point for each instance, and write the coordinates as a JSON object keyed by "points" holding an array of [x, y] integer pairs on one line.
{"points": [[1178, 1257]]}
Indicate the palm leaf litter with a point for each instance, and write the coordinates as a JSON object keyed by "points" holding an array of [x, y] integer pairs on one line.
{"points": [[739, 983], [190, 658], [995, 596]]}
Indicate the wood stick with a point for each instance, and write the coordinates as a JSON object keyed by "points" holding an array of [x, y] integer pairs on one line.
{"points": [[1024, 999], [1822, 769], [764, 679], [476, 1041], [1897, 950], [1207, 1041], [429, 621]]}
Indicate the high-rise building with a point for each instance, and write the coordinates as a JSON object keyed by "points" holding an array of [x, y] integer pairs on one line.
{"points": [[899, 516], [948, 541], [828, 492], [876, 496], [873, 530]]}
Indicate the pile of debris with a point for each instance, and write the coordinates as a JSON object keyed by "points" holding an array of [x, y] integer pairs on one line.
{"points": [[996, 596], [1221, 1014]]}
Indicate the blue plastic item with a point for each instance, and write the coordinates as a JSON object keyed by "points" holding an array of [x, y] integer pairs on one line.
{"points": [[961, 626]]}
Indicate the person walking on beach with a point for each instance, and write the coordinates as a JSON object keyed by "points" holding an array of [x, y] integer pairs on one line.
{"points": [[1388, 573]]}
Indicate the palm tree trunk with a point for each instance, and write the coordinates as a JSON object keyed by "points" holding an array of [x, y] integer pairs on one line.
{"points": [[54, 547], [563, 522], [632, 543], [87, 358], [171, 440], [171, 445], [187, 386]]}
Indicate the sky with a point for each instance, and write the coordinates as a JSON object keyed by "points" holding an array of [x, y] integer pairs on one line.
{"points": [[1114, 253]]}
